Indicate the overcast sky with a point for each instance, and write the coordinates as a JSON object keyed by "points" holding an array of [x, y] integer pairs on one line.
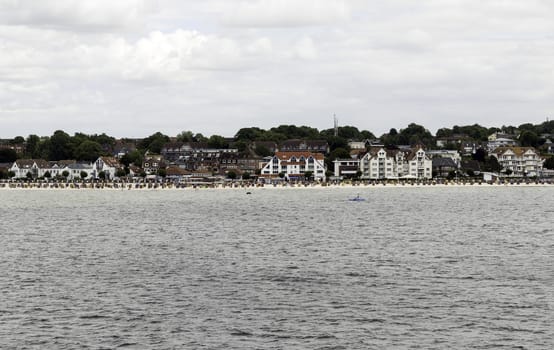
{"points": [[133, 67]]}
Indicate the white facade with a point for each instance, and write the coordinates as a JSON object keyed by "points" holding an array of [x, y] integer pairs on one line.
{"points": [[75, 170], [419, 165], [108, 165], [295, 164], [522, 161], [394, 164], [379, 165], [346, 167], [36, 167]]}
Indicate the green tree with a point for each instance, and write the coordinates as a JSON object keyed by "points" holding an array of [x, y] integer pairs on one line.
{"points": [[475, 131], [47, 175], [479, 155], [231, 175], [29, 175], [262, 151], [491, 164], [162, 172], [366, 135], [32, 146], [7, 155], [249, 134], [549, 163], [154, 143], [246, 176], [102, 175], [529, 139], [281, 174], [336, 142], [3, 175], [349, 133], [107, 142], [241, 146], [83, 174], [185, 136], [65, 174], [308, 174], [216, 141], [121, 172], [60, 146], [390, 139], [338, 153], [11, 174], [444, 132], [415, 134], [133, 157], [17, 140], [88, 150], [341, 153]]}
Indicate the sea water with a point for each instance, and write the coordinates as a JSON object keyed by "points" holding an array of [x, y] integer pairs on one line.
{"points": [[409, 268]]}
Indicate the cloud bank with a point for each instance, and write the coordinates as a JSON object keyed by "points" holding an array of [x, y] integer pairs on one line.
{"points": [[133, 67]]}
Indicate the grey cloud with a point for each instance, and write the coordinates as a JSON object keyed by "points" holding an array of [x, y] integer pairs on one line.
{"points": [[207, 67]]}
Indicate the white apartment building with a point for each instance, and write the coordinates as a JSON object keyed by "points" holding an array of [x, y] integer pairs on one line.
{"points": [[380, 163], [521, 161], [294, 164]]}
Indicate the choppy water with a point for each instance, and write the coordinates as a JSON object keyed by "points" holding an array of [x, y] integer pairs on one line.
{"points": [[410, 268]]}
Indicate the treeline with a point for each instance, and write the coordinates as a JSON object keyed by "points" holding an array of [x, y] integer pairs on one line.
{"points": [[83, 147]]}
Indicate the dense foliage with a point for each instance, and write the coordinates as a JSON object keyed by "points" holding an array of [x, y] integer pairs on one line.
{"points": [[82, 147]]}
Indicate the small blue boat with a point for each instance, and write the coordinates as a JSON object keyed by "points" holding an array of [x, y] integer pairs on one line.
{"points": [[357, 199]]}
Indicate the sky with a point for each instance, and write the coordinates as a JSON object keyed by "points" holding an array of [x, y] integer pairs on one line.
{"points": [[130, 68]]}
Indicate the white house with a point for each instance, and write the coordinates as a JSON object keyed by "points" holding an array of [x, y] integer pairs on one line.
{"points": [[75, 170], [521, 161], [35, 167], [419, 165], [294, 164], [108, 165]]}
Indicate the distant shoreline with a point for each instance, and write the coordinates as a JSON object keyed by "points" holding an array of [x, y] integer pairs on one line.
{"points": [[118, 186]]}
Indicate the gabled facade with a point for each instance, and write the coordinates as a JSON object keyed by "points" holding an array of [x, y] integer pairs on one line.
{"points": [[108, 165], [35, 167], [295, 165], [521, 161], [419, 165], [380, 163], [152, 163]]}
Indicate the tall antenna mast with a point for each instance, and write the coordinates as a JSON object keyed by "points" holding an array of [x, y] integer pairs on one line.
{"points": [[336, 126]]}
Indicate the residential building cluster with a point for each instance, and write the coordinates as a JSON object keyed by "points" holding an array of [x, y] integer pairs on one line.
{"points": [[294, 160]]}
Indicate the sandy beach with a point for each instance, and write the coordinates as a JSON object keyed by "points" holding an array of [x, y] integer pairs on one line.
{"points": [[119, 186]]}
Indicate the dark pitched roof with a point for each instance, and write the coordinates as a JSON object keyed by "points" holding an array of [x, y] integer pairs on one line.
{"points": [[440, 162]]}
